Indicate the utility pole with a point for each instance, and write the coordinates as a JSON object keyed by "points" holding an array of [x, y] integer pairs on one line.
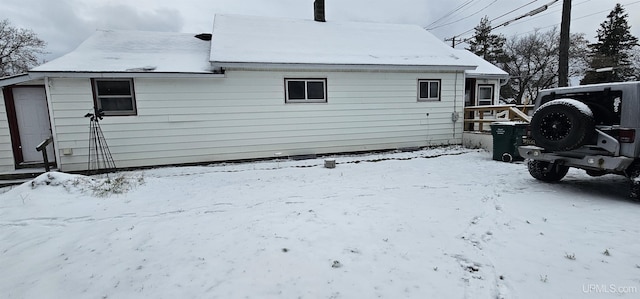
{"points": [[563, 63], [453, 41]]}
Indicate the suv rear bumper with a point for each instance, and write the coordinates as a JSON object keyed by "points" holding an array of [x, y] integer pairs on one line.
{"points": [[590, 162]]}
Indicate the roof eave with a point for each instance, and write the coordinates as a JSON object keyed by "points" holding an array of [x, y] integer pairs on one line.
{"points": [[154, 74], [17, 79], [487, 76], [338, 67]]}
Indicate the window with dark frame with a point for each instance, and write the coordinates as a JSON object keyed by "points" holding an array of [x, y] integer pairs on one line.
{"points": [[115, 97], [306, 90], [428, 90]]}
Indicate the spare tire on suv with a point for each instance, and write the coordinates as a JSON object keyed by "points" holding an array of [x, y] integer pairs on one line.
{"points": [[562, 125]]}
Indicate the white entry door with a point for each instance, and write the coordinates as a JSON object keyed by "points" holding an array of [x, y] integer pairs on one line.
{"points": [[32, 116]]}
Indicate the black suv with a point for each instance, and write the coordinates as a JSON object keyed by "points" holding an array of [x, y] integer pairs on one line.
{"points": [[591, 127]]}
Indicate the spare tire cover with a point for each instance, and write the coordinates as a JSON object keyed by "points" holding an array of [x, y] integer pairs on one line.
{"points": [[562, 125]]}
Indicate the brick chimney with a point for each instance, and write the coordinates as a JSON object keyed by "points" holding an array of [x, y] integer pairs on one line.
{"points": [[318, 11]]}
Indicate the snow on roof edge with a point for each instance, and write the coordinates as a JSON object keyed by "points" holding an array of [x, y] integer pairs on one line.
{"points": [[126, 50], [484, 68]]}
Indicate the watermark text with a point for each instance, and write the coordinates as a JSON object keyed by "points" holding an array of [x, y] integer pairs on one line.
{"points": [[599, 288]]}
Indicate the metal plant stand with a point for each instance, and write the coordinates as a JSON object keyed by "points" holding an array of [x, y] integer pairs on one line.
{"points": [[100, 159]]}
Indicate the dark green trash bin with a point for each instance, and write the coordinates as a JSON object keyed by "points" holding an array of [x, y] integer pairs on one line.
{"points": [[507, 136]]}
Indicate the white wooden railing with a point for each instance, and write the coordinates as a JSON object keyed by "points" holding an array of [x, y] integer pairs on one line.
{"points": [[478, 118]]}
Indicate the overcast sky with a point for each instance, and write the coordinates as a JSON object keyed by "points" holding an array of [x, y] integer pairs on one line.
{"points": [[64, 24]]}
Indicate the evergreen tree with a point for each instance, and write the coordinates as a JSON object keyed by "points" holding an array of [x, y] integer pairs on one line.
{"points": [[486, 45], [613, 49]]}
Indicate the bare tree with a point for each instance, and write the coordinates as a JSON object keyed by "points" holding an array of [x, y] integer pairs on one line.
{"points": [[578, 55], [19, 49], [532, 63]]}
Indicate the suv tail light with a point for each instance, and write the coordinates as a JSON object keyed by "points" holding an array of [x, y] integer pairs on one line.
{"points": [[627, 135]]}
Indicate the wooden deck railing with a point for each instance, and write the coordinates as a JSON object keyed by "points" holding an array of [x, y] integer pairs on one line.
{"points": [[42, 147], [475, 117]]}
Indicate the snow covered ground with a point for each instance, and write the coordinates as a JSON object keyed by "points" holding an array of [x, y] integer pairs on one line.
{"points": [[439, 223]]}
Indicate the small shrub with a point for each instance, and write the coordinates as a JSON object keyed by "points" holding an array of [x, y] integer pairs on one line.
{"points": [[118, 185]]}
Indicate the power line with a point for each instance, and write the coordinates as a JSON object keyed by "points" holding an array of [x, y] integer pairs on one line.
{"points": [[512, 11], [471, 15], [523, 21], [548, 13], [451, 12], [543, 15], [461, 6], [573, 19], [528, 14]]}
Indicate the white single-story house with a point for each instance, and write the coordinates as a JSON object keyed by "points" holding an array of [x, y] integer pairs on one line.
{"points": [[255, 87]]}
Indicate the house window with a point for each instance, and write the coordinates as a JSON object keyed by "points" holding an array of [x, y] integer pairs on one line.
{"points": [[485, 95], [428, 90], [306, 90], [114, 96]]}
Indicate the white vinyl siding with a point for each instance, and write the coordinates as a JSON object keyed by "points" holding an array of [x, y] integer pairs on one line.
{"points": [[6, 153], [243, 116]]}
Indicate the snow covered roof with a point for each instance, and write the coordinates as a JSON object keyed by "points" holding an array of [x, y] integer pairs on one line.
{"points": [[135, 51], [485, 69], [255, 41], [261, 42]]}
